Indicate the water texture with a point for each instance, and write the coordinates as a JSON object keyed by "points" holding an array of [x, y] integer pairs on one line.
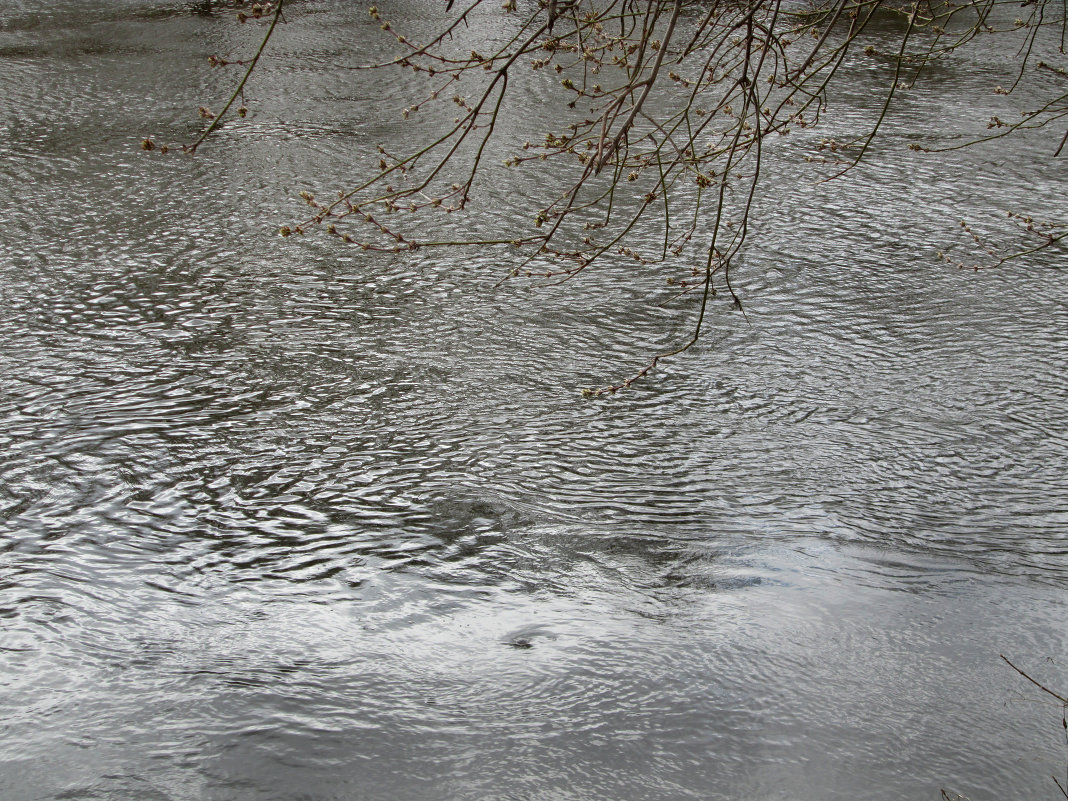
{"points": [[279, 520]]}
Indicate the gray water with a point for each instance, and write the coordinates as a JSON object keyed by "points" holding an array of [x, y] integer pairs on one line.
{"points": [[284, 521]]}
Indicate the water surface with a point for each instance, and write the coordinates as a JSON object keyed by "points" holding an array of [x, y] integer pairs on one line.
{"points": [[283, 521]]}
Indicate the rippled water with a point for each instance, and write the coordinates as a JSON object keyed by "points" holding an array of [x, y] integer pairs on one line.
{"points": [[283, 522]]}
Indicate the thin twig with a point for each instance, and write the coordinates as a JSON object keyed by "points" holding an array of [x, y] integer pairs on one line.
{"points": [[240, 87], [1035, 682]]}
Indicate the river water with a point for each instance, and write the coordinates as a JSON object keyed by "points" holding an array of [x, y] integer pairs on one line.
{"points": [[283, 521]]}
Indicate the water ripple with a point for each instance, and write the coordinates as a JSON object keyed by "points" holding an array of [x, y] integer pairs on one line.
{"points": [[279, 521]]}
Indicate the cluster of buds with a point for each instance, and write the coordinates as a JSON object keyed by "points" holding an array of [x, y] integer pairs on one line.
{"points": [[255, 11], [149, 144]]}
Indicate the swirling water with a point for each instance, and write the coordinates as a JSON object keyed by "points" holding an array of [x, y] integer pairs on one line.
{"points": [[280, 521]]}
